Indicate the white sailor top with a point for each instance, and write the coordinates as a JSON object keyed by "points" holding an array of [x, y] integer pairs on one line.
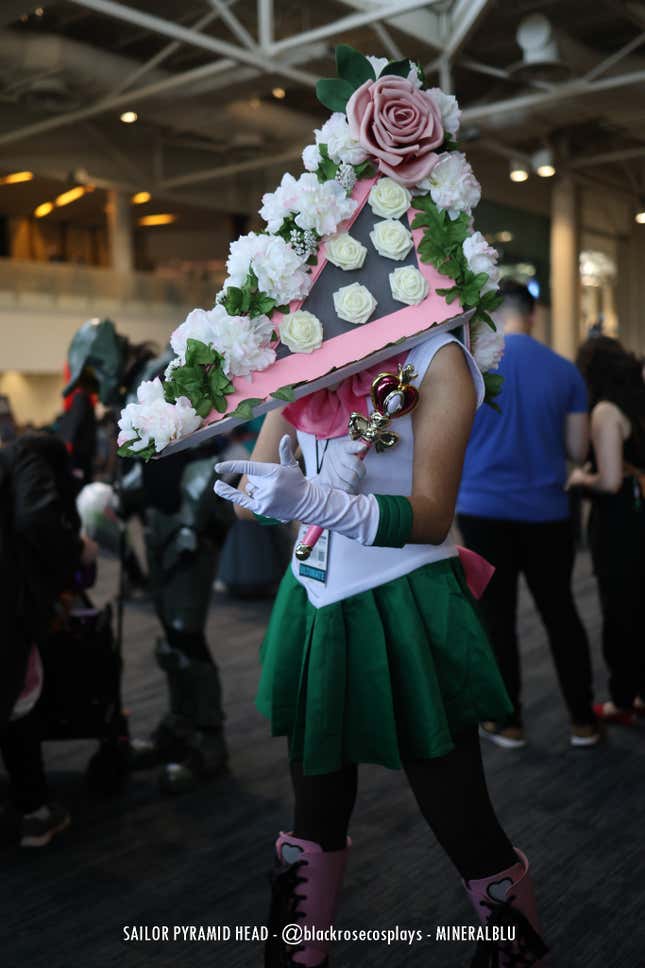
{"points": [[351, 567]]}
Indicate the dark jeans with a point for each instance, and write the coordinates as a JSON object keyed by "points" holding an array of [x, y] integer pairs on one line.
{"points": [[617, 539], [544, 552], [20, 745]]}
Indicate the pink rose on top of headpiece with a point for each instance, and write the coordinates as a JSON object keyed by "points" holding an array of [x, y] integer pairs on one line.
{"points": [[398, 125]]}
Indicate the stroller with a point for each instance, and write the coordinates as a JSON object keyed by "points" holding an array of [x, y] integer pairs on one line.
{"points": [[81, 697]]}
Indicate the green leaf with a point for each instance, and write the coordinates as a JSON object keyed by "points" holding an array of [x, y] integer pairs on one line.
{"points": [[203, 407], [493, 383], [400, 68], [199, 353], [448, 294], [353, 66], [244, 410], [365, 170], [334, 93], [327, 168], [285, 393], [146, 454]]}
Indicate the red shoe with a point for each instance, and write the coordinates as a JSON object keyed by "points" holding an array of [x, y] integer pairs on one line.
{"points": [[621, 717]]}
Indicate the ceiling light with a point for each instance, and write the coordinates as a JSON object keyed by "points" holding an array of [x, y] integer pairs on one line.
{"points": [[279, 93], [16, 176], [44, 209], [163, 218], [141, 198], [39, 11], [640, 217], [519, 171], [542, 162], [71, 195], [504, 236], [129, 117]]}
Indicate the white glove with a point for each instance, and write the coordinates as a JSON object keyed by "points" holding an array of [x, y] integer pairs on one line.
{"points": [[282, 491], [342, 465]]}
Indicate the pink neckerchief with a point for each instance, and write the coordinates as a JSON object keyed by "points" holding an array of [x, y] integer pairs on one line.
{"points": [[326, 413]]}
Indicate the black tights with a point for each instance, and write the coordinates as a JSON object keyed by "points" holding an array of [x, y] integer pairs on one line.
{"points": [[452, 796]]}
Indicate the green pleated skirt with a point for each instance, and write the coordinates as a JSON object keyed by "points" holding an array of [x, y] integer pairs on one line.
{"points": [[390, 674]]}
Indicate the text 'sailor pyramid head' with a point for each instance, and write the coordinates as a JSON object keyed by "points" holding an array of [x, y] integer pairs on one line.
{"points": [[364, 253]]}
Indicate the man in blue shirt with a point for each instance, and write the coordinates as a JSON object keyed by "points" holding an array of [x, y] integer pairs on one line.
{"points": [[513, 510]]}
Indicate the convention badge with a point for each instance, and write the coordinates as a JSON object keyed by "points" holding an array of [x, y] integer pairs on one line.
{"points": [[316, 565]]}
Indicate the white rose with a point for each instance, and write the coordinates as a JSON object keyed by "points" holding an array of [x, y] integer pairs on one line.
{"points": [[482, 257], [389, 199], [345, 252], [408, 285], [341, 145], [311, 157], [355, 303], [453, 185], [391, 239], [487, 345], [301, 331], [450, 110]]}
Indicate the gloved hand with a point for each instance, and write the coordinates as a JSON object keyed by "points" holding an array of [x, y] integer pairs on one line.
{"points": [[342, 465], [282, 491]]}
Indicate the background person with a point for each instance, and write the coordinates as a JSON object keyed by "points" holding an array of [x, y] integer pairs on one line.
{"points": [[615, 480], [513, 510], [40, 551]]}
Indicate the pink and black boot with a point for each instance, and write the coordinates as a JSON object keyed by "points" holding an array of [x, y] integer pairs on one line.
{"points": [[305, 884], [506, 906]]}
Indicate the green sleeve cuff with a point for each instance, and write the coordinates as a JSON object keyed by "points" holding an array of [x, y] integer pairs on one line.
{"points": [[261, 519], [395, 521]]}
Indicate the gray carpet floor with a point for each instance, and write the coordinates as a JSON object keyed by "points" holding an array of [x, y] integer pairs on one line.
{"points": [[140, 859]]}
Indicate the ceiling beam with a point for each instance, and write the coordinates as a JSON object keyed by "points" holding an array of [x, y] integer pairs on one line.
{"points": [[621, 154], [352, 22], [614, 58], [559, 92], [234, 25], [160, 56], [419, 23], [265, 24], [118, 101], [168, 28], [224, 171], [464, 18]]}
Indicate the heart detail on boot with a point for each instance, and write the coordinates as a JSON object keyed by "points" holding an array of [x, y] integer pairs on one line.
{"points": [[290, 853], [498, 890]]}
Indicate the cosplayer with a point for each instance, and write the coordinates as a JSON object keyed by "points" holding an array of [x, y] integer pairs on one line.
{"points": [[374, 652], [184, 526]]}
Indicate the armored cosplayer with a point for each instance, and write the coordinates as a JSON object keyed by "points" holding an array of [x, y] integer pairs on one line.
{"points": [[185, 524], [364, 306]]}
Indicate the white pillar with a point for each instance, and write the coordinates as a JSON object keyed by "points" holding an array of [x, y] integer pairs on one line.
{"points": [[565, 276], [119, 219]]}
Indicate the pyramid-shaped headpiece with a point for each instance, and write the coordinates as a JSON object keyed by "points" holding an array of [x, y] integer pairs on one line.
{"points": [[364, 253]]}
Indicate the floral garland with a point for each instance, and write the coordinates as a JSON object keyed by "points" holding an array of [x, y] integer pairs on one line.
{"points": [[268, 270]]}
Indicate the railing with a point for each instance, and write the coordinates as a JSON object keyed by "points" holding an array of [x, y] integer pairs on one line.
{"points": [[24, 284]]}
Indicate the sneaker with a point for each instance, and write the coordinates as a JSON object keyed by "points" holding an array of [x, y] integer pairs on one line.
{"points": [[39, 828], [508, 737], [608, 713], [586, 734]]}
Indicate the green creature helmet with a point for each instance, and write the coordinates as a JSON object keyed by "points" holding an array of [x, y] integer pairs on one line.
{"points": [[98, 348]]}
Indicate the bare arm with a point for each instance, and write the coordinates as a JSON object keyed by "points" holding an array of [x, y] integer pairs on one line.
{"points": [[608, 432], [576, 436], [266, 449], [442, 424]]}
